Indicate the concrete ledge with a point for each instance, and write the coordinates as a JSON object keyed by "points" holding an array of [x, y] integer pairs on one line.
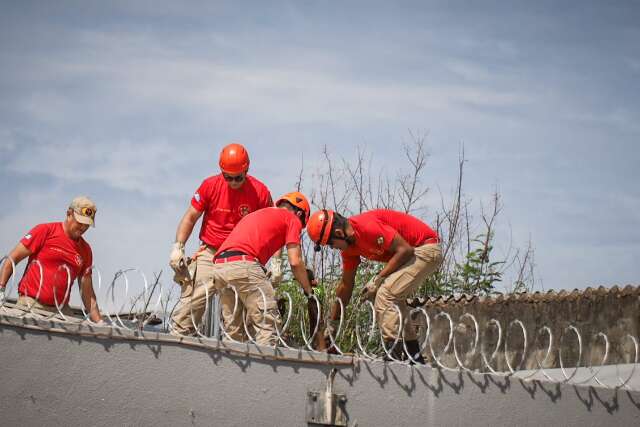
{"points": [[99, 376]]}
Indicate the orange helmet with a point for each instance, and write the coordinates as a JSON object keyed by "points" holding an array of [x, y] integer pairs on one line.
{"points": [[298, 200], [234, 159], [319, 227]]}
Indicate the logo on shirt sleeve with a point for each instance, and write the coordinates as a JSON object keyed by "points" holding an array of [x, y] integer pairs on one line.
{"points": [[28, 236], [380, 241], [197, 197]]}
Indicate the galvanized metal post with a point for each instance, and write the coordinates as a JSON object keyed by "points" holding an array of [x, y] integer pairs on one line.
{"points": [[212, 317]]}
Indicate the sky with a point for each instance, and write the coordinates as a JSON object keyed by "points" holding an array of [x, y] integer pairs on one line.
{"points": [[131, 102]]}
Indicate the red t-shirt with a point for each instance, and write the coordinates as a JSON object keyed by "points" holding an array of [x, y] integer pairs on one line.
{"points": [[374, 232], [53, 249], [262, 233], [224, 207]]}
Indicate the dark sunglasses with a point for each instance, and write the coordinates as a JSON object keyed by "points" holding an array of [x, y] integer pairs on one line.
{"points": [[90, 212], [229, 178]]}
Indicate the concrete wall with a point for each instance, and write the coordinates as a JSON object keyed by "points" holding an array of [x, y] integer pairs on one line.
{"points": [[104, 377], [615, 312]]}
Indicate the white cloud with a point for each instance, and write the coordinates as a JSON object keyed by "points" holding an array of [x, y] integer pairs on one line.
{"points": [[148, 168], [210, 86]]}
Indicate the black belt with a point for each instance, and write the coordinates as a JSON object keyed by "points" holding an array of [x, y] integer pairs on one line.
{"points": [[227, 254]]}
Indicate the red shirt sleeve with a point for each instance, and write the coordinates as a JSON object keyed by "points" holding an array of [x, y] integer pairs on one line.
{"points": [[200, 199], [34, 239], [294, 229]]}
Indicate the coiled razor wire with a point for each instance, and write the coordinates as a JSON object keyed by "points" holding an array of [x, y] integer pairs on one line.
{"points": [[485, 343], [29, 308], [308, 340], [87, 315], [329, 333], [9, 286], [67, 291], [413, 358]]}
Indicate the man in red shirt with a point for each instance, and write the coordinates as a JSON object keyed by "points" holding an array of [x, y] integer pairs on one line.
{"points": [[224, 199], [410, 248], [57, 256], [239, 264]]}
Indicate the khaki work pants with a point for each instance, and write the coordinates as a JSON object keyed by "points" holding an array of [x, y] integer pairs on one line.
{"points": [[400, 285], [24, 302], [261, 312], [194, 300]]}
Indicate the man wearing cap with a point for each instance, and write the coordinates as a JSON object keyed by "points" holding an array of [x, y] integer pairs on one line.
{"points": [[411, 250], [58, 255], [224, 199], [239, 264]]}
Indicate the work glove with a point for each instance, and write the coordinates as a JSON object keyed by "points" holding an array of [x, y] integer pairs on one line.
{"points": [[312, 310], [371, 288], [276, 271], [176, 258], [312, 278], [185, 273]]}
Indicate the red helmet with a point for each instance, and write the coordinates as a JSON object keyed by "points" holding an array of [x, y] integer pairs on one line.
{"points": [[298, 200], [234, 159], [319, 227]]}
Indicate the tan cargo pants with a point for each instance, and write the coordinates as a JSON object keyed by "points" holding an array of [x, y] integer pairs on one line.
{"points": [[24, 302], [195, 301], [400, 285], [261, 312]]}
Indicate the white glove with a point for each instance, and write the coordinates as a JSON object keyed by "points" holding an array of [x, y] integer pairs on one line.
{"points": [[177, 255], [371, 288], [2, 296], [276, 271]]}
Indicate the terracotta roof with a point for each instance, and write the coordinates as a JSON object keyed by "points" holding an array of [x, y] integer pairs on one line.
{"points": [[534, 297]]}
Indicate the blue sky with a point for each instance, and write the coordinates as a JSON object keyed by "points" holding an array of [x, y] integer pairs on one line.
{"points": [[130, 103]]}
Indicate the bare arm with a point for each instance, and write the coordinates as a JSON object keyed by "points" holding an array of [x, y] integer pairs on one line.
{"points": [[18, 253], [89, 298], [187, 223], [402, 252], [344, 292], [298, 268]]}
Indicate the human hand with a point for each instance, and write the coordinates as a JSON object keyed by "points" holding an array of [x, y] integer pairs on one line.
{"points": [[275, 272], [369, 290], [177, 255]]}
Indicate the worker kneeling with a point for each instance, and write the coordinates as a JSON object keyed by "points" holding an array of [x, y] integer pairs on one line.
{"points": [[411, 250], [239, 264]]}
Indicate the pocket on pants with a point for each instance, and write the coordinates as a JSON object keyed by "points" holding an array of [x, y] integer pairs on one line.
{"points": [[236, 273], [431, 254], [271, 304], [404, 285]]}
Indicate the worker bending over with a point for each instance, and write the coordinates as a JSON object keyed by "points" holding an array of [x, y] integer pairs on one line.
{"points": [[410, 248]]}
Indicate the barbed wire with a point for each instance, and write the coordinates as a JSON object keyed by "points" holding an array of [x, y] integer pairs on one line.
{"points": [[366, 330]]}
